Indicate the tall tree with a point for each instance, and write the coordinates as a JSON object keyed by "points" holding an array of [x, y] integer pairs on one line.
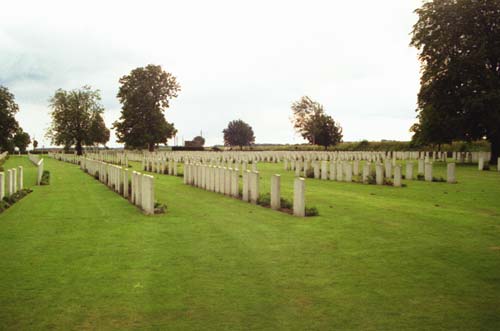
{"points": [[8, 123], [35, 144], [98, 132], [21, 140], [459, 50], [72, 115], [145, 94], [313, 124], [238, 133]]}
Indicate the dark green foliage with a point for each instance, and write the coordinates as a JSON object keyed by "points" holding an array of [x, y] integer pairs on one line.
{"points": [[145, 95], [199, 141], [264, 200], [98, 132], [238, 133], [438, 179], [314, 125], [286, 204], [372, 179], [8, 123], [21, 140], [45, 178], [9, 201], [459, 98], [76, 118], [160, 208], [310, 173], [311, 211]]}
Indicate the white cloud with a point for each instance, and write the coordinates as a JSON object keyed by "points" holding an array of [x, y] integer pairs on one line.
{"points": [[234, 59]]}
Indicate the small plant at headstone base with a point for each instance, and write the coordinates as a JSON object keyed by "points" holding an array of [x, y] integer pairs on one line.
{"points": [[311, 211], [372, 179], [486, 166], [96, 176], [438, 180], [264, 200], [388, 182], [310, 173], [45, 178], [286, 204], [9, 201], [420, 177], [160, 208]]}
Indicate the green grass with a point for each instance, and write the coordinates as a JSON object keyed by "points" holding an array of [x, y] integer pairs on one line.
{"points": [[74, 255]]}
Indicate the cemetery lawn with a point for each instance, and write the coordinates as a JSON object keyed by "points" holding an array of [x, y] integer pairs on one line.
{"points": [[74, 255]]}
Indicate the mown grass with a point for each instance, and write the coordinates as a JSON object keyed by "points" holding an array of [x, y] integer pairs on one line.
{"points": [[74, 255]]}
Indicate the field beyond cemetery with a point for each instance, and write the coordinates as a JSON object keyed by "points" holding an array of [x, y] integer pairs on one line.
{"points": [[75, 255]]}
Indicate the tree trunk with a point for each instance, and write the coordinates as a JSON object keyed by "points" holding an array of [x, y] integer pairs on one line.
{"points": [[151, 147], [495, 149], [78, 148]]}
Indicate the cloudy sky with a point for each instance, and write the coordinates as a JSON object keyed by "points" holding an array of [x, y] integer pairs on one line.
{"points": [[233, 59]]}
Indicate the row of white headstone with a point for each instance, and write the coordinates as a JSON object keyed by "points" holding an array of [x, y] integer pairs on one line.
{"points": [[227, 181], [138, 188], [278, 156], [160, 166], [344, 171], [11, 181], [118, 158], [481, 163]]}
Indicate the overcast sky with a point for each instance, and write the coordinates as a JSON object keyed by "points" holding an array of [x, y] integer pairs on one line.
{"points": [[233, 59]]}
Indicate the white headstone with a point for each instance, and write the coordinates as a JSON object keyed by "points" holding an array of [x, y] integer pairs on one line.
{"points": [[275, 192], [299, 202], [450, 173]]}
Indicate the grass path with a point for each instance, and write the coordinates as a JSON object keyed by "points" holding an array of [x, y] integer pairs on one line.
{"points": [[74, 255]]}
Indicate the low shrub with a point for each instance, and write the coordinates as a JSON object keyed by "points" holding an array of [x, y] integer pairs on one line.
{"points": [[372, 179], [311, 211], [160, 208], [286, 204], [264, 200], [45, 178], [9, 201], [310, 173], [438, 179]]}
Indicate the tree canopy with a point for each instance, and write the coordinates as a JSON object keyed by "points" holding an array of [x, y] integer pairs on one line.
{"points": [[459, 50], [21, 140], [8, 123], [238, 133], [98, 132], [145, 94], [313, 124], [199, 140], [73, 113]]}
